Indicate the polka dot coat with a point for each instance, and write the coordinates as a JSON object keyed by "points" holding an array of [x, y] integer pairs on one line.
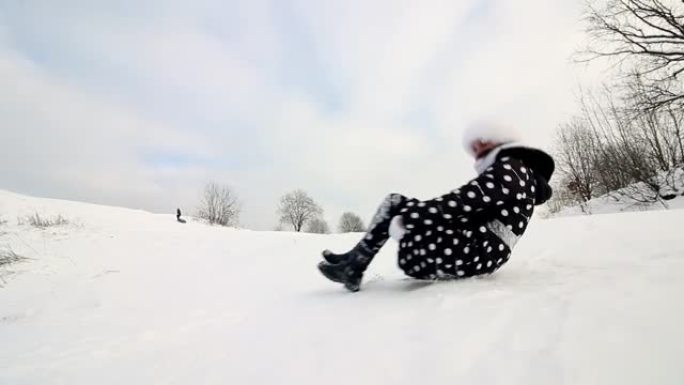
{"points": [[460, 234]]}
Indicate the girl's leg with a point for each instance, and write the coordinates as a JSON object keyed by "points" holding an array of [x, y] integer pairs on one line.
{"points": [[378, 230], [348, 268]]}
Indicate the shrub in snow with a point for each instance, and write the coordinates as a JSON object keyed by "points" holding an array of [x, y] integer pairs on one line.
{"points": [[36, 220], [8, 256]]}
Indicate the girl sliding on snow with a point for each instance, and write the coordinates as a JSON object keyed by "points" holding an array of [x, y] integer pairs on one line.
{"points": [[467, 232]]}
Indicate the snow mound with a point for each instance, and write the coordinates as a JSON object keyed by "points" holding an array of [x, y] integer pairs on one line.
{"points": [[122, 296]]}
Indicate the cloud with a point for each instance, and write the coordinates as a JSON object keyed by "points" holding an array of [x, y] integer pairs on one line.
{"points": [[379, 50], [141, 103], [61, 141], [515, 67]]}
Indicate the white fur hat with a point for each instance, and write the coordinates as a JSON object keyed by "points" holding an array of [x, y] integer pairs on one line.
{"points": [[487, 132]]}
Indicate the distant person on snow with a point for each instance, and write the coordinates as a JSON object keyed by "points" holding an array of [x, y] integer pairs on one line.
{"points": [[467, 232], [178, 216]]}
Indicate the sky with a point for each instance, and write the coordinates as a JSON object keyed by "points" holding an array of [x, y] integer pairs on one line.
{"points": [[141, 103]]}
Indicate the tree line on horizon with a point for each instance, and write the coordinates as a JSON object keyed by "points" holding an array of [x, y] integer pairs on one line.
{"points": [[296, 210]]}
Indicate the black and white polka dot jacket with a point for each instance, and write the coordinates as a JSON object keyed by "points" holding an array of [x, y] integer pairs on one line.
{"points": [[472, 230]]}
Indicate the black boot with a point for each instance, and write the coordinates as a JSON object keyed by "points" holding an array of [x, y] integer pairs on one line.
{"points": [[342, 273], [349, 267]]}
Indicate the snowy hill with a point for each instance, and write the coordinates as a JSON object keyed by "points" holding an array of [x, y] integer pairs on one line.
{"points": [[122, 296], [610, 205], [618, 203]]}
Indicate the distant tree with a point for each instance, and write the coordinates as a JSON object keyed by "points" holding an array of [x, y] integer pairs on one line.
{"points": [[351, 223], [318, 226], [297, 208], [219, 205]]}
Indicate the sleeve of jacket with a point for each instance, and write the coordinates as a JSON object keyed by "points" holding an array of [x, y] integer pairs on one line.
{"points": [[498, 185]]}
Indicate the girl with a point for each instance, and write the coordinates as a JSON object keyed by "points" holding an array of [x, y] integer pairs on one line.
{"points": [[467, 232]]}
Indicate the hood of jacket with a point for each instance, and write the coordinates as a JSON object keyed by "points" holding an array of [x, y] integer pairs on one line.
{"points": [[539, 161]]}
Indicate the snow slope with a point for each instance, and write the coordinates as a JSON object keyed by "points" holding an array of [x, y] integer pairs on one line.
{"points": [[609, 205], [616, 203], [127, 297]]}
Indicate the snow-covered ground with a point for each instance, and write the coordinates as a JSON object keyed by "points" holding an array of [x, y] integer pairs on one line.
{"points": [[617, 203], [122, 296], [610, 205]]}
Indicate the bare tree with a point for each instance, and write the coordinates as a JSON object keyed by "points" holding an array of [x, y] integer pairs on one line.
{"points": [[625, 161], [637, 147], [350, 223], [661, 128], [297, 208], [576, 149], [646, 36], [621, 151], [219, 205], [318, 226]]}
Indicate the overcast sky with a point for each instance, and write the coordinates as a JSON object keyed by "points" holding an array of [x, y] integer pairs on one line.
{"points": [[139, 103]]}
